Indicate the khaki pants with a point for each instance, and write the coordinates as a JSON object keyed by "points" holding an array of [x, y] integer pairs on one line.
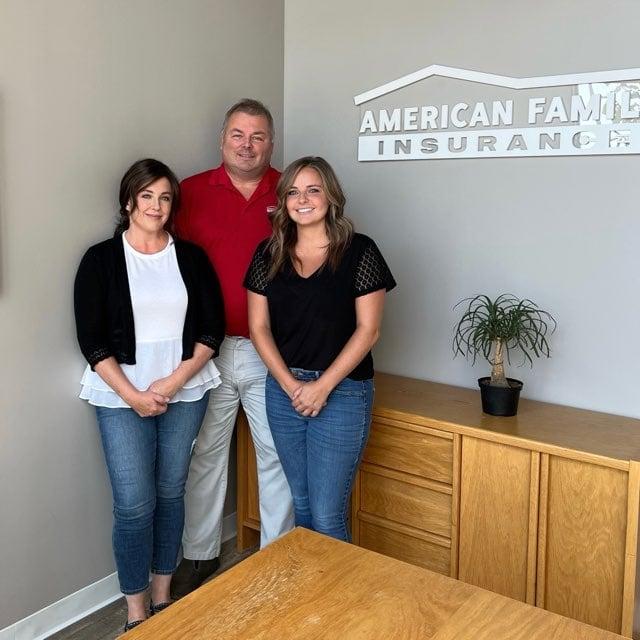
{"points": [[243, 379]]}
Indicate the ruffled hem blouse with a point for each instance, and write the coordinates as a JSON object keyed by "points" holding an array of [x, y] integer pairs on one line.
{"points": [[159, 301], [153, 361]]}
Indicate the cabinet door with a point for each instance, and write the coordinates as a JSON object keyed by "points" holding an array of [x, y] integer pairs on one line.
{"points": [[248, 513], [498, 518], [583, 537]]}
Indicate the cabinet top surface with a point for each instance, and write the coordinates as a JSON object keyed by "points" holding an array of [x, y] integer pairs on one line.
{"points": [[441, 405]]}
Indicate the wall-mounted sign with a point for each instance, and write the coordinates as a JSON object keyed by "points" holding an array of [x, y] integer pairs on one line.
{"points": [[594, 114]]}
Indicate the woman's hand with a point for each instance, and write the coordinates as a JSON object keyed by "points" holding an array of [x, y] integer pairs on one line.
{"points": [[148, 403], [167, 387], [144, 403], [310, 398], [292, 388]]}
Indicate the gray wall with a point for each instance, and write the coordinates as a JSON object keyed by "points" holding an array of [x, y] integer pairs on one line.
{"points": [[561, 231], [87, 87]]}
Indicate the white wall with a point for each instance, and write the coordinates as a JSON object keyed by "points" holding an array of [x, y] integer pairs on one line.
{"points": [[561, 231], [86, 88]]}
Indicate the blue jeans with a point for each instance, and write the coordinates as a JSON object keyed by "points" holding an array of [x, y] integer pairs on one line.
{"points": [[320, 455], [148, 461]]}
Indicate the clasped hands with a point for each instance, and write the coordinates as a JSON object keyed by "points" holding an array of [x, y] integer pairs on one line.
{"points": [[154, 401], [309, 398]]}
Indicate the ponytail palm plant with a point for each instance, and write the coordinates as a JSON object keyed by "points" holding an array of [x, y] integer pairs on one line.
{"points": [[493, 328]]}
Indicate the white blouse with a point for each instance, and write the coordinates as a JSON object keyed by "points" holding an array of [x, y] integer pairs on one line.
{"points": [[159, 301]]}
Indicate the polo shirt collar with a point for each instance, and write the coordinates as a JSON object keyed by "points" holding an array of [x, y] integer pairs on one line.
{"points": [[220, 177]]}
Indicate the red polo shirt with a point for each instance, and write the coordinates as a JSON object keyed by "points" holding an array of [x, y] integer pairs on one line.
{"points": [[216, 216]]}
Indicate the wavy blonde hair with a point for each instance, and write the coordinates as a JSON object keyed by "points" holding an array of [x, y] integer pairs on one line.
{"points": [[284, 235]]}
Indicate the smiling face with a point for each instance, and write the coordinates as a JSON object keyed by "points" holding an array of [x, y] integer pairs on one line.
{"points": [[246, 145], [307, 203], [152, 207]]}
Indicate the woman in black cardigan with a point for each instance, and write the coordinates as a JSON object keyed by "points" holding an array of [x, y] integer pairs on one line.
{"points": [[149, 319]]}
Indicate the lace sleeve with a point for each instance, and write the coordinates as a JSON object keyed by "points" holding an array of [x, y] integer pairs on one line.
{"points": [[372, 272], [256, 279]]}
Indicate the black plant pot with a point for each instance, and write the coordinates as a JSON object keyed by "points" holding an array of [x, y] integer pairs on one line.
{"points": [[500, 401]]}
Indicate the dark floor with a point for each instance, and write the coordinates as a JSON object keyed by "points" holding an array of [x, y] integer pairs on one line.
{"points": [[107, 623]]}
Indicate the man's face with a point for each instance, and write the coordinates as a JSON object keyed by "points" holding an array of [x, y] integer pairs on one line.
{"points": [[246, 145]]}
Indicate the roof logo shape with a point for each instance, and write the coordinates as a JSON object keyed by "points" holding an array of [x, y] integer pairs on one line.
{"points": [[497, 80]]}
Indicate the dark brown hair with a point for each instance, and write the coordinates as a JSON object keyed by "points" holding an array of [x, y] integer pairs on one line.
{"points": [[137, 178], [284, 234]]}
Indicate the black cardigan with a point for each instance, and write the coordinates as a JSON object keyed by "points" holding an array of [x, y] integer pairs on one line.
{"points": [[102, 302]]}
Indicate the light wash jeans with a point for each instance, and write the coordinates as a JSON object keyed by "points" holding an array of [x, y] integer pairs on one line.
{"points": [[321, 455], [243, 376], [147, 460]]}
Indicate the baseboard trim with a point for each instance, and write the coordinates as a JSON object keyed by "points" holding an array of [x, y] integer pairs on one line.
{"points": [[61, 614], [78, 605]]}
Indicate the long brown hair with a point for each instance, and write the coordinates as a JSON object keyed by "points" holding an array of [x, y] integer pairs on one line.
{"points": [[284, 235]]}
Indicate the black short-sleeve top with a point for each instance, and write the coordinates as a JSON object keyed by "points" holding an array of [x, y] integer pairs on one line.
{"points": [[313, 318]]}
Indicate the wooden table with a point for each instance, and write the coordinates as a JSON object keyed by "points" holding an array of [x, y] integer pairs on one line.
{"points": [[309, 586]]}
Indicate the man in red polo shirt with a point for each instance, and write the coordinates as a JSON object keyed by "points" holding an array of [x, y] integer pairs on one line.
{"points": [[226, 211]]}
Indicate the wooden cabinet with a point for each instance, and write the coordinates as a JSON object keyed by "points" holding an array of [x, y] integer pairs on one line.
{"points": [[587, 549], [411, 449], [247, 511], [498, 517], [541, 507], [405, 496]]}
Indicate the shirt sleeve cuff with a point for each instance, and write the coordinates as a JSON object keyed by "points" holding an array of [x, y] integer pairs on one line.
{"points": [[102, 353]]}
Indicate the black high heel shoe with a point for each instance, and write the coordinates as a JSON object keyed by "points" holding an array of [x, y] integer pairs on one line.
{"points": [[130, 625], [157, 608]]}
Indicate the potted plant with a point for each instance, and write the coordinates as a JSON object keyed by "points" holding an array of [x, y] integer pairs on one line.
{"points": [[493, 328]]}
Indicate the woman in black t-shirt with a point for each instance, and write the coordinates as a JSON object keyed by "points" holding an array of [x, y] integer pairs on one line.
{"points": [[316, 294]]}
